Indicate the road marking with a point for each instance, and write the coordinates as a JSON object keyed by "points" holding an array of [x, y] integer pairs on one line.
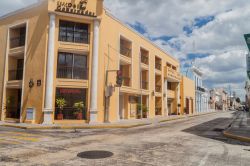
{"points": [[30, 139], [4, 141], [24, 134]]}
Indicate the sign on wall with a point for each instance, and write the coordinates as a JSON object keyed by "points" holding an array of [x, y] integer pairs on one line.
{"points": [[74, 8]]}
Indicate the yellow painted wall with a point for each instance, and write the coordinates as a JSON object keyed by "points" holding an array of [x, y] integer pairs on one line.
{"points": [[187, 91], [110, 32], [109, 58], [36, 21]]}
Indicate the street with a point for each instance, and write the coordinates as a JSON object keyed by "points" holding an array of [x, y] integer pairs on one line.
{"points": [[196, 141]]}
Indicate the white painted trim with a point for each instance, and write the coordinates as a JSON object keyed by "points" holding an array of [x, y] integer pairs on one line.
{"points": [[119, 64], [4, 81], [24, 66], [140, 35]]}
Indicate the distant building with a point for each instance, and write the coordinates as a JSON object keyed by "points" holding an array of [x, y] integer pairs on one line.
{"points": [[218, 99], [187, 96], [201, 93]]}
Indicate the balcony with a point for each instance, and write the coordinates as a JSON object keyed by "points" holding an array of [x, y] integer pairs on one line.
{"points": [[172, 75], [171, 94], [125, 51], [126, 81], [158, 88], [67, 72], [158, 66], [17, 41], [15, 75], [144, 85], [125, 47], [201, 89]]}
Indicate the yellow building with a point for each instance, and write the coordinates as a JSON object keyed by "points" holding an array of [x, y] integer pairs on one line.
{"points": [[71, 50], [187, 96]]}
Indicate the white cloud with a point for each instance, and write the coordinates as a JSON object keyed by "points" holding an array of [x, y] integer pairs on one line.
{"points": [[7, 6], [222, 38]]}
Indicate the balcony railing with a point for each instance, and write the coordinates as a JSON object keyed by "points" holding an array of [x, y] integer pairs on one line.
{"points": [[70, 113], [126, 81], [125, 51], [67, 72], [144, 85], [17, 41], [158, 66], [201, 89], [157, 88], [13, 112], [171, 73], [15, 74], [144, 60]]}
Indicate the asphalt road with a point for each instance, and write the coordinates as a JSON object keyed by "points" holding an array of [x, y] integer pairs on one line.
{"points": [[194, 141]]}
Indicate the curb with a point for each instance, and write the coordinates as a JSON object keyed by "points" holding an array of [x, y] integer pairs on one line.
{"points": [[101, 126], [167, 120], [76, 127], [236, 137]]}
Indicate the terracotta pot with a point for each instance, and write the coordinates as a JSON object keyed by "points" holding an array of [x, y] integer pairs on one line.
{"points": [[79, 116], [60, 116]]}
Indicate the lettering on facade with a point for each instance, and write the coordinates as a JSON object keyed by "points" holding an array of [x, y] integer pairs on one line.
{"points": [[70, 91], [74, 8]]}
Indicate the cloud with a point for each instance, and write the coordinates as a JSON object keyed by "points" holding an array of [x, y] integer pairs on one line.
{"points": [[209, 31], [12, 5]]}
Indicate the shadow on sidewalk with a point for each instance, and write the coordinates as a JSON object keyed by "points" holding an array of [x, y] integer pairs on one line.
{"points": [[213, 130]]}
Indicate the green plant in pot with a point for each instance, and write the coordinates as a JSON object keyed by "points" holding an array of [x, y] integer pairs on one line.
{"points": [[144, 109], [79, 109], [61, 103]]}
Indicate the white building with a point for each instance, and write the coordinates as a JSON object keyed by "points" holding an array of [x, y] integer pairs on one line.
{"points": [[201, 93]]}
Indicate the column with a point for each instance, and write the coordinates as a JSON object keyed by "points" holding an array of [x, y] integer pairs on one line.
{"points": [[178, 98], [166, 97], [48, 107], [94, 76]]}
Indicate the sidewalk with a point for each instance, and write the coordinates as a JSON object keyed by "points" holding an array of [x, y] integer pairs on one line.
{"points": [[240, 128], [121, 124]]}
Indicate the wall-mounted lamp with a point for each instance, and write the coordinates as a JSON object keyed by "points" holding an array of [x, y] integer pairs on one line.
{"points": [[31, 83]]}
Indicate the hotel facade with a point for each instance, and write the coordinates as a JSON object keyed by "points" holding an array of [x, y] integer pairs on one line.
{"points": [[61, 61]]}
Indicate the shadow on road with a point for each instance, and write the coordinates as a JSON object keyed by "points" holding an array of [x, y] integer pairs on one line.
{"points": [[213, 130]]}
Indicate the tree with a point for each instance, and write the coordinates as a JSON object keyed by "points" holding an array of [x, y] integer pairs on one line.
{"points": [[238, 100]]}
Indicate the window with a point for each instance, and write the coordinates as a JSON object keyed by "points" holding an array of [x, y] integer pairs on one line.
{"points": [[72, 66], [71, 96], [73, 32]]}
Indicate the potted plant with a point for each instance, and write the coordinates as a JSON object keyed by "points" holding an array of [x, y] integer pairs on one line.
{"points": [[61, 103], [79, 108], [139, 109], [144, 109]]}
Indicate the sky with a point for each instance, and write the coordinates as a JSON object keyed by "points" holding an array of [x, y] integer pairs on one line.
{"points": [[208, 33]]}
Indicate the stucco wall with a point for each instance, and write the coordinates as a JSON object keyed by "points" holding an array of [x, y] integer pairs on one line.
{"points": [[36, 20], [110, 32], [187, 91]]}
